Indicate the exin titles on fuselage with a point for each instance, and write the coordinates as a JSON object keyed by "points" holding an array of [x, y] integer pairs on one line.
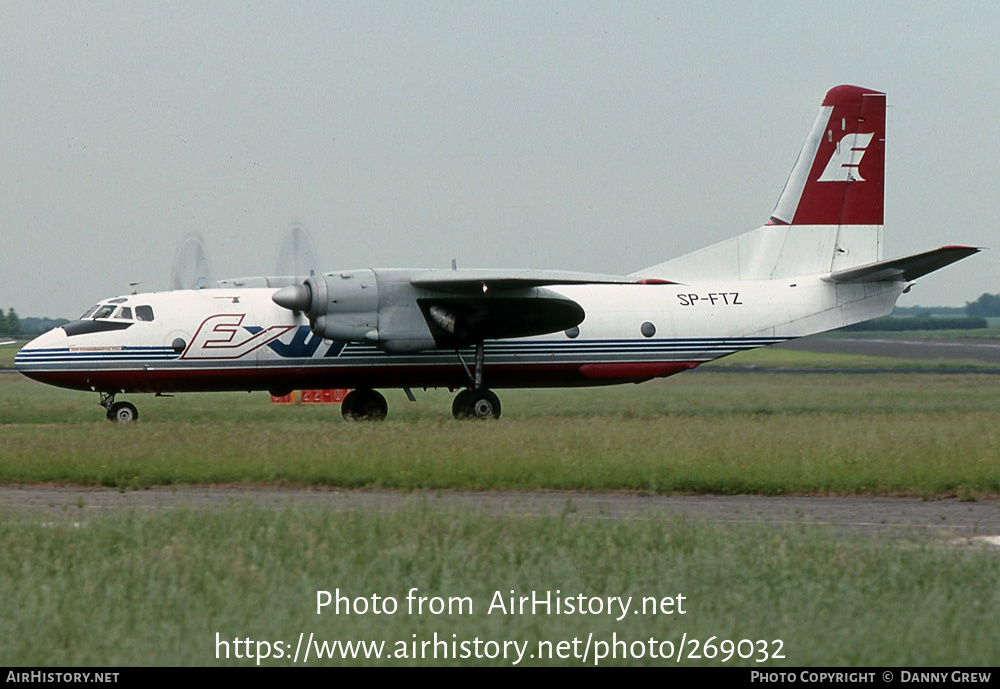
{"points": [[816, 265]]}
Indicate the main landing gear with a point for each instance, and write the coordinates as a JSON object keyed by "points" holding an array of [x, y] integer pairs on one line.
{"points": [[476, 402], [119, 412], [364, 405]]}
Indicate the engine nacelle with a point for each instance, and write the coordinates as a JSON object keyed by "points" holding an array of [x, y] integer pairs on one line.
{"points": [[385, 308], [341, 306], [361, 306]]}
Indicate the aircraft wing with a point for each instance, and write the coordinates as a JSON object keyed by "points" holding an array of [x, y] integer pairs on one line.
{"points": [[473, 305], [906, 268], [494, 304], [466, 281]]}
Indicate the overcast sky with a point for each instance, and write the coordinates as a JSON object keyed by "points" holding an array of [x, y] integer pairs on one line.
{"points": [[591, 136]]}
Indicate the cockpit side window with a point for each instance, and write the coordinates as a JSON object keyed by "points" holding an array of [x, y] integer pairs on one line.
{"points": [[125, 313], [104, 311], [144, 313]]}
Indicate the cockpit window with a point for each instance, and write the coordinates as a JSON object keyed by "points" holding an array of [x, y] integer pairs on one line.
{"points": [[110, 310]]}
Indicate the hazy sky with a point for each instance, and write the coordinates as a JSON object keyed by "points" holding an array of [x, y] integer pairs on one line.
{"points": [[591, 136]]}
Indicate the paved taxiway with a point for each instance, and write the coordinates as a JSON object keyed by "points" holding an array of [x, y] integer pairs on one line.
{"points": [[946, 519], [987, 351]]}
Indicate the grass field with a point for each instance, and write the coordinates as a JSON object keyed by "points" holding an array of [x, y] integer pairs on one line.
{"points": [[155, 589], [894, 433]]}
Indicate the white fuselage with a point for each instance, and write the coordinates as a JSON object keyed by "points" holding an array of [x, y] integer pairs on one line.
{"points": [[239, 339]]}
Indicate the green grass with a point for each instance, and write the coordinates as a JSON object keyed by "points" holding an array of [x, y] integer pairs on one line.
{"points": [[155, 589], [899, 434], [7, 353]]}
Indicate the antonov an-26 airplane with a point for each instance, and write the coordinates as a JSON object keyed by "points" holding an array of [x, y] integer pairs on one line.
{"points": [[815, 265]]}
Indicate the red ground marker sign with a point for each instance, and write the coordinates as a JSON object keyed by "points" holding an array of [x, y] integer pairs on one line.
{"points": [[312, 397]]}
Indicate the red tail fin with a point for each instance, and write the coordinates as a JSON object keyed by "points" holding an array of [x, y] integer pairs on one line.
{"points": [[839, 177]]}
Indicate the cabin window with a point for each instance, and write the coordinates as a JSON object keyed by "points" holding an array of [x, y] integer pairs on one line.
{"points": [[144, 313], [124, 312]]}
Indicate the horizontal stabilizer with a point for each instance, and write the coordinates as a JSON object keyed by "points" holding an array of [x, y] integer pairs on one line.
{"points": [[906, 268], [463, 281]]}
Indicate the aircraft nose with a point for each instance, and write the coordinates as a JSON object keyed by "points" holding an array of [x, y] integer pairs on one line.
{"points": [[40, 348]]}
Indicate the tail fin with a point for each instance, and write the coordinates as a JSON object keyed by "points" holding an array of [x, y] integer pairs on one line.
{"points": [[829, 215], [839, 177]]}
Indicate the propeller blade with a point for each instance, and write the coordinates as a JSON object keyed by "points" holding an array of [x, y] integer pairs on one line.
{"points": [[191, 266], [296, 255]]}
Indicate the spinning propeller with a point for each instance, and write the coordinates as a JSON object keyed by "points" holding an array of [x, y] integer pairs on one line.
{"points": [[192, 267]]}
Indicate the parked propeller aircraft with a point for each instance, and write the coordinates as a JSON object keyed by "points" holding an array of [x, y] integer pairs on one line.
{"points": [[814, 266]]}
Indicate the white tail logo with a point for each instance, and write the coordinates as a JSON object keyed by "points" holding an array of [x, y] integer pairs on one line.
{"points": [[846, 159]]}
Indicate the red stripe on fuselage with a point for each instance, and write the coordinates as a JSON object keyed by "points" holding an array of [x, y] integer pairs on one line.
{"points": [[638, 370]]}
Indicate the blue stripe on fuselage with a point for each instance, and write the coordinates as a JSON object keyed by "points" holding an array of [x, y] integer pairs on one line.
{"points": [[303, 345]]}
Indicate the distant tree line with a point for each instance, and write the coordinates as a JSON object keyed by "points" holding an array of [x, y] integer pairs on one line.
{"points": [[987, 306], [12, 325], [969, 317], [928, 311], [897, 323]]}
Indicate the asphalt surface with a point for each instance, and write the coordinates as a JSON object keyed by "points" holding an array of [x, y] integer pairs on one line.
{"points": [[987, 351], [948, 520]]}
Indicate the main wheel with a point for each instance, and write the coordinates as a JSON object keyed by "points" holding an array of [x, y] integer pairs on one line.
{"points": [[123, 412], [364, 405], [481, 404], [458, 404]]}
